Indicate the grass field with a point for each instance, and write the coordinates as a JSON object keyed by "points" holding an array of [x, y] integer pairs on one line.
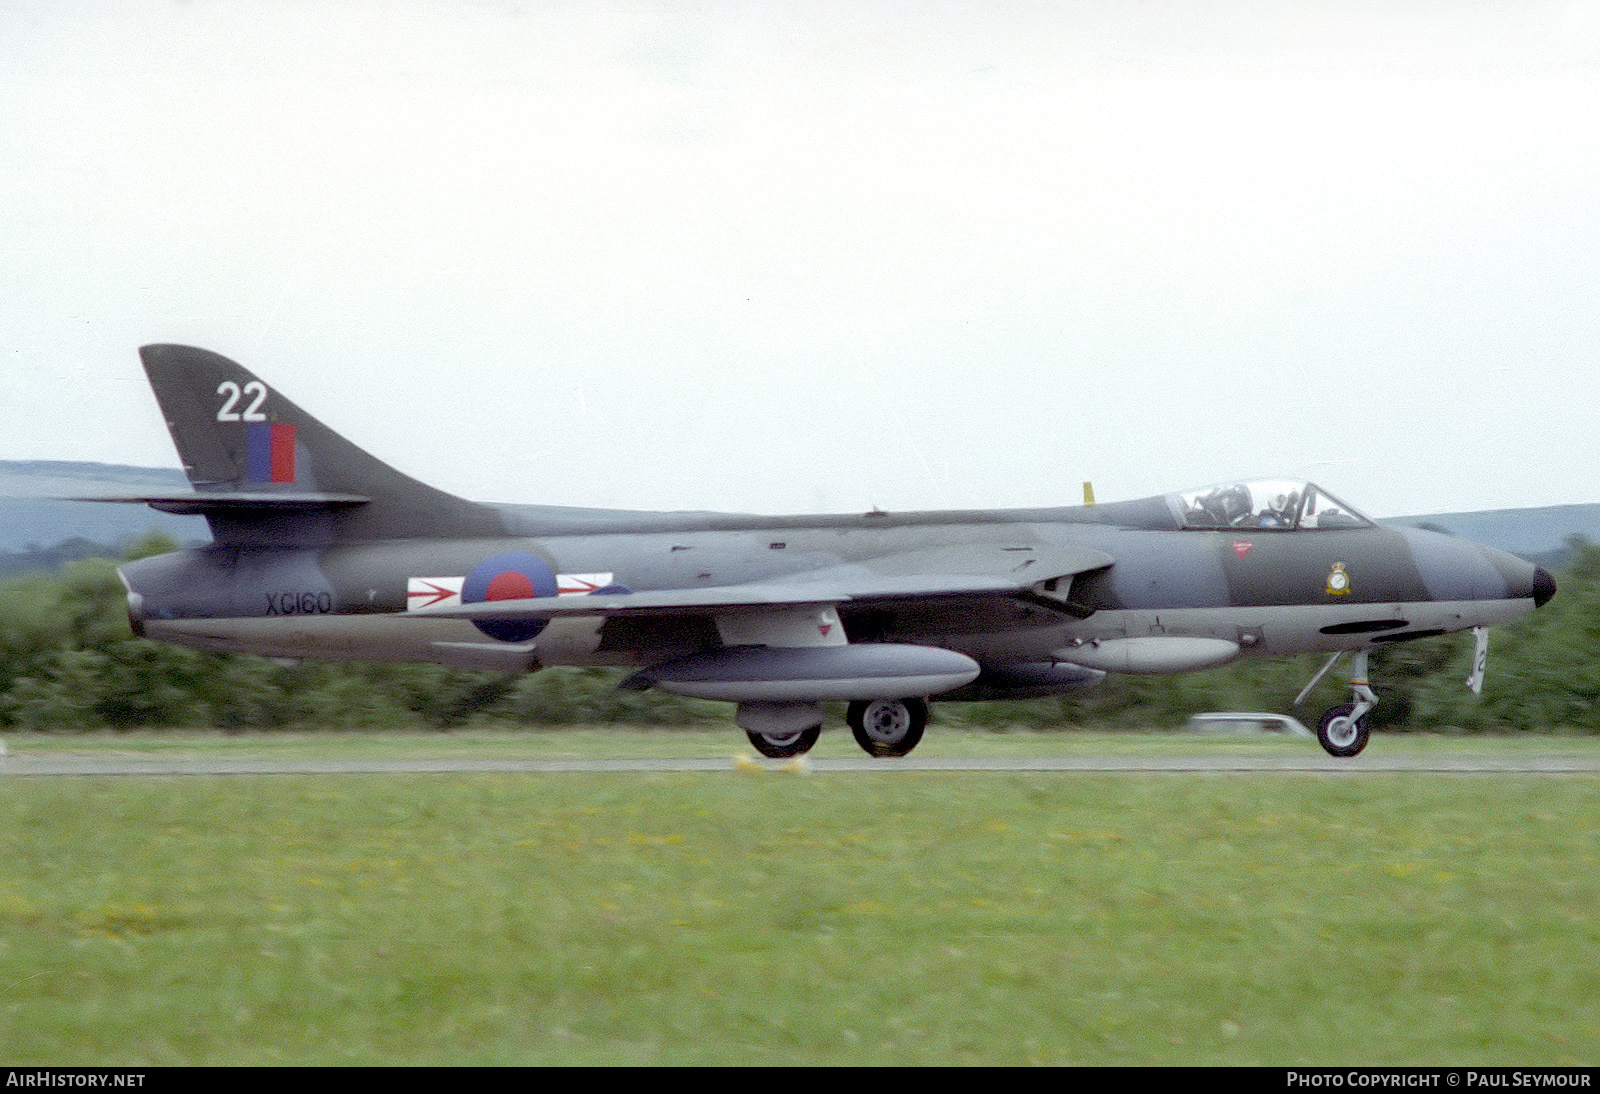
{"points": [[728, 918]]}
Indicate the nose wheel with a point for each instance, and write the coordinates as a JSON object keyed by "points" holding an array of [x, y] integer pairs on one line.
{"points": [[1341, 732]]}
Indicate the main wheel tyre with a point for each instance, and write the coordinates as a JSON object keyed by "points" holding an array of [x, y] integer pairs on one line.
{"points": [[887, 727], [1340, 734], [781, 745]]}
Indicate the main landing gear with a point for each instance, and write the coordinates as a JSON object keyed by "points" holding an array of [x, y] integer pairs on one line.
{"points": [[887, 727], [1344, 730], [882, 727], [780, 730], [780, 746]]}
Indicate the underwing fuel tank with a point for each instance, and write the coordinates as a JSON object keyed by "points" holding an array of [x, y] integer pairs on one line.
{"points": [[1152, 655], [810, 674], [1035, 680]]}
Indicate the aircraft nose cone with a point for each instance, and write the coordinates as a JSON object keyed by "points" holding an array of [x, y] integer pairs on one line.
{"points": [[1544, 586]]}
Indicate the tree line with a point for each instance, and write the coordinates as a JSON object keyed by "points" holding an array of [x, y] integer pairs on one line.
{"points": [[68, 662]]}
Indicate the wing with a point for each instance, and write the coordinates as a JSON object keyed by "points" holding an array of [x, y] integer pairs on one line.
{"points": [[944, 573]]}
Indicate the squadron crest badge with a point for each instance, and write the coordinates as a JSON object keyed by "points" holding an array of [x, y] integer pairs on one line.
{"points": [[1338, 581]]}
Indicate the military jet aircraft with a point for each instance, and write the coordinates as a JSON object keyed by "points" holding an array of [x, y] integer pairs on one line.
{"points": [[321, 550]]}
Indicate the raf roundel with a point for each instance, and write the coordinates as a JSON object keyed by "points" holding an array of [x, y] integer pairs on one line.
{"points": [[511, 576]]}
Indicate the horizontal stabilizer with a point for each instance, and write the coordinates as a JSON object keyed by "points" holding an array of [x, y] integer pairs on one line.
{"points": [[190, 503]]}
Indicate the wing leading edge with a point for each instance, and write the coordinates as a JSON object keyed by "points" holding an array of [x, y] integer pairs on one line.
{"points": [[937, 574]]}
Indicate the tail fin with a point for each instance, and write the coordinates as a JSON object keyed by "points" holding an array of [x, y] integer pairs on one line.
{"points": [[263, 469]]}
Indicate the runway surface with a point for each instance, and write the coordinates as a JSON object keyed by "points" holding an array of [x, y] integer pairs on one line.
{"points": [[67, 764]]}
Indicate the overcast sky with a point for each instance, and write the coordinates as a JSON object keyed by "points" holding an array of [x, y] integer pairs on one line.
{"points": [[820, 257]]}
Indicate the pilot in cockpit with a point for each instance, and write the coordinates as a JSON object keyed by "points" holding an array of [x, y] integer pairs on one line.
{"points": [[1281, 504], [1280, 512]]}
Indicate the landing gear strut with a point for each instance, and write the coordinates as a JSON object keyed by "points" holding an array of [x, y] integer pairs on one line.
{"points": [[1343, 730], [887, 727]]}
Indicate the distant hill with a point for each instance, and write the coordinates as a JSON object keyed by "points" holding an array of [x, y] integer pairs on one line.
{"points": [[38, 532], [1538, 535]]}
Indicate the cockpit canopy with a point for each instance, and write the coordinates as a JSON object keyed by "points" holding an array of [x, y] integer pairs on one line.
{"points": [[1284, 504]]}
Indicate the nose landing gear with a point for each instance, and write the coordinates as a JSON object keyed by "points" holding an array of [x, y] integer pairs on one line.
{"points": [[1343, 730]]}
